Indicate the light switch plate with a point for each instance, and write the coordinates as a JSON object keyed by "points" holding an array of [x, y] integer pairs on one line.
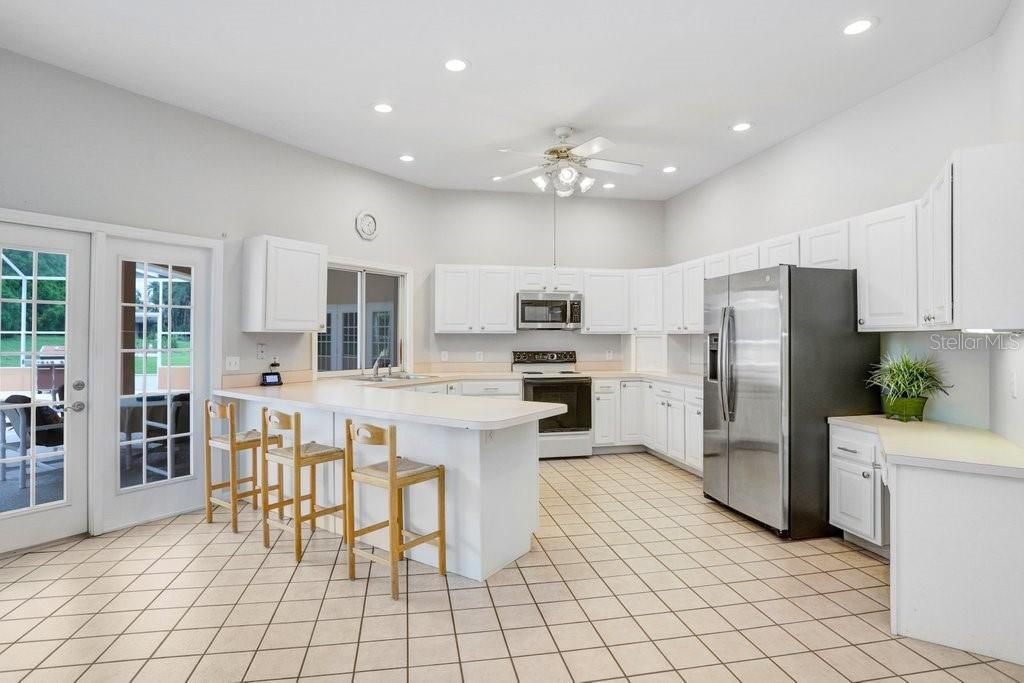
{"points": [[232, 363], [479, 356], [444, 356]]}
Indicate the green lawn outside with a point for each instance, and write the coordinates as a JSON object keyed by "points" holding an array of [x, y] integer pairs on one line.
{"points": [[178, 357]]}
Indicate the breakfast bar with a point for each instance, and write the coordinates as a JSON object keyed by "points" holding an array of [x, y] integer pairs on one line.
{"points": [[489, 450]]}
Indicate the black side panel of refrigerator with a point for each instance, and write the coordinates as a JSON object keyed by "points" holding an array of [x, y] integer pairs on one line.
{"points": [[829, 362]]}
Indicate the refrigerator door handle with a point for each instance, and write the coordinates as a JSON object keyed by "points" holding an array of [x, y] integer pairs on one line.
{"points": [[725, 352]]}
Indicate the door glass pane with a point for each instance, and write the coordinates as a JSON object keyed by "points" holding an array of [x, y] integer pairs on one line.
{"points": [[33, 337], [156, 383], [379, 336], [337, 344]]}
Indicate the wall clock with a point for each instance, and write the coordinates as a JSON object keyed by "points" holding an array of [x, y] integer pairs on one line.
{"points": [[366, 225]]}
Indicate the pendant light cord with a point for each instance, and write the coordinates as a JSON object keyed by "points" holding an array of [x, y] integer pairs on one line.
{"points": [[554, 228]]}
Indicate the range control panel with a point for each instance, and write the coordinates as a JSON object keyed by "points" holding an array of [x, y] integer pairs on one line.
{"points": [[543, 356]]}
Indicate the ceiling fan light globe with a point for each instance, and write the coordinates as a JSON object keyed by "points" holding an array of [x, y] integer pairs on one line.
{"points": [[541, 182], [568, 175], [567, 192], [586, 183]]}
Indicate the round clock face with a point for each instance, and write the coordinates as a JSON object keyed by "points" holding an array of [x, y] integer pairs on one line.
{"points": [[366, 225]]}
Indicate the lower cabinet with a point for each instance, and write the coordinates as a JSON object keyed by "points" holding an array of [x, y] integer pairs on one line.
{"points": [[693, 417], [632, 394], [858, 501], [606, 412], [675, 429]]}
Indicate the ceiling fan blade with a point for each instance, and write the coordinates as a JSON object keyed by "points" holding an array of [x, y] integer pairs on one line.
{"points": [[525, 171], [614, 166], [517, 152], [592, 146]]}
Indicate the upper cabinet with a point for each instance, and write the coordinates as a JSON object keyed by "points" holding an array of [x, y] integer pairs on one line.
{"points": [[546, 279], [935, 253], [716, 265], [744, 259], [883, 249], [693, 296], [672, 298], [606, 301], [779, 251], [474, 299], [827, 246], [285, 285], [646, 296]]}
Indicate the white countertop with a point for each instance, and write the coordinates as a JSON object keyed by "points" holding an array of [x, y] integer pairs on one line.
{"points": [[941, 445], [691, 380], [358, 399]]}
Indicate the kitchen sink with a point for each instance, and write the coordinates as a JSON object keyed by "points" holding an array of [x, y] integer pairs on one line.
{"points": [[393, 377]]}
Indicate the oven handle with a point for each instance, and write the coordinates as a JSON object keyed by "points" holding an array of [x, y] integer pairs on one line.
{"points": [[556, 380]]}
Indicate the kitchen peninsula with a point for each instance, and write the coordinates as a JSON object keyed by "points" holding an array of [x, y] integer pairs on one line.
{"points": [[489, 450]]}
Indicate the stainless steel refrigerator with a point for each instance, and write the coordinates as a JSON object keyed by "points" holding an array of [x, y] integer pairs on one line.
{"points": [[782, 354]]}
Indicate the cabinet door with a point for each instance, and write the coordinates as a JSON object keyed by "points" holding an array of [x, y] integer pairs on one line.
{"points": [[883, 249], [606, 302], [567, 280], [659, 424], [296, 286], [455, 307], [935, 253], [646, 308], [672, 299], [694, 447], [496, 292], [716, 266], [606, 419], [852, 497], [744, 259], [693, 296], [675, 430], [779, 251], [631, 406], [827, 246], [533, 279]]}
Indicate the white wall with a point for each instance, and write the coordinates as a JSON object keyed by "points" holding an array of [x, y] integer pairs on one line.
{"points": [[75, 147]]}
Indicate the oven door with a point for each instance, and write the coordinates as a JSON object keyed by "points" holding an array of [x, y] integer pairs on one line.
{"points": [[546, 311], [573, 392]]}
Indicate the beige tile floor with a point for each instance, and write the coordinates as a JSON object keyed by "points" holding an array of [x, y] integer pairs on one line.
{"points": [[633, 575]]}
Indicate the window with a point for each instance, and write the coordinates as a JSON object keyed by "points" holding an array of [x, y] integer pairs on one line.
{"points": [[363, 318]]}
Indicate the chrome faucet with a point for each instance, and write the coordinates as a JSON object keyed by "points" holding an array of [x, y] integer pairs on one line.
{"points": [[376, 364]]}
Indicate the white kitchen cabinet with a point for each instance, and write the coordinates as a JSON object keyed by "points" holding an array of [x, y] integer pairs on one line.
{"points": [[606, 413], [649, 352], [883, 249], [533, 279], [858, 502], [496, 304], [675, 429], [474, 299], [646, 300], [606, 302], [491, 388], [779, 251], [284, 285], [441, 388], [632, 398], [827, 246], [716, 265], [672, 299], [567, 280], [743, 259], [657, 435], [693, 449], [693, 296], [935, 253]]}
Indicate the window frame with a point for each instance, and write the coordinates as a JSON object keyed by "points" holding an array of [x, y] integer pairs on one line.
{"points": [[404, 309]]}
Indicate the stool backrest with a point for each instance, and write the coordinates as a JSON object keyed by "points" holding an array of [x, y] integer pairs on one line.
{"points": [[216, 410], [371, 435], [275, 420]]}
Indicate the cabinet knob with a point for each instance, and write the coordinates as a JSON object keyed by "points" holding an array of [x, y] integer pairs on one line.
{"points": [[588, 329], [470, 327], [634, 329], [483, 327], [860, 321], [555, 288], [866, 475], [699, 412]]}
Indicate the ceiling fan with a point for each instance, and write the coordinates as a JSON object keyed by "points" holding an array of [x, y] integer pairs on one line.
{"points": [[564, 166]]}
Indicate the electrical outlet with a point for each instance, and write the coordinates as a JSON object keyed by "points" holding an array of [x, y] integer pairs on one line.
{"points": [[479, 356], [275, 360], [261, 351], [609, 354], [444, 356], [232, 363], [1013, 384]]}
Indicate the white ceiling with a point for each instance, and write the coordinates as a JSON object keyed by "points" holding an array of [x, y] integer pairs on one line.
{"points": [[665, 79]]}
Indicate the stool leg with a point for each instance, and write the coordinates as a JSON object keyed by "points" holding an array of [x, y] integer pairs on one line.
{"points": [[312, 498], [255, 483], [297, 509], [263, 494], [280, 490], [209, 481], [442, 544], [350, 525], [401, 519], [393, 551], [233, 469]]}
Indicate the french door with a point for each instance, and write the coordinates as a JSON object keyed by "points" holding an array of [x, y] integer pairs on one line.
{"points": [[154, 307], [44, 384]]}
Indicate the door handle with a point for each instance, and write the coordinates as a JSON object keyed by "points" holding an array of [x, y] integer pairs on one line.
{"points": [[77, 406], [846, 450]]}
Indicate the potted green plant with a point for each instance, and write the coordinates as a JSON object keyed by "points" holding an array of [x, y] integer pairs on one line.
{"points": [[906, 384]]}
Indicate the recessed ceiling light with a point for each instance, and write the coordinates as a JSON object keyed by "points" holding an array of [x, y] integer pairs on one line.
{"points": [[456, 65], [382, 108], [407, 157], [859, 26], [609, 186], [741, 127], [496, 178], [503, 149], [669, 169]]}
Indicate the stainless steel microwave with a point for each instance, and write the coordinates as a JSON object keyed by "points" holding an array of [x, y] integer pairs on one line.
{"points": [[549, 310]]}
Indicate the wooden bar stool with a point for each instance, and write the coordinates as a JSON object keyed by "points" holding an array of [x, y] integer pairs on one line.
{"points": [[296, 456], [234, 442], [393, 474]]}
